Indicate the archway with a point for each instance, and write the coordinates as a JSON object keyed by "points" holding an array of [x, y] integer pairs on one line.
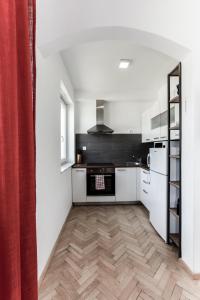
{"points": [[140, 37]]}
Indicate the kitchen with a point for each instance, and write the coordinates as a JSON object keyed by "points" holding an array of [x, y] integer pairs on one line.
{"points": [[127, 165], [142, 108], [121, 151], [130, 171]]}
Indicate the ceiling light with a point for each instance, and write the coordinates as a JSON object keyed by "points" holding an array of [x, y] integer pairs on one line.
{"points": [[125, 63]]}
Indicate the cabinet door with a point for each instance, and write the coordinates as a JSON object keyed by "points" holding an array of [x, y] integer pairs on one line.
{"points": [[155, 121], [163, 99], [146, 127], [164, 126], [138, 184], [158, 211], [145, 188], [79, 185], [126, 184], [155, 128]]}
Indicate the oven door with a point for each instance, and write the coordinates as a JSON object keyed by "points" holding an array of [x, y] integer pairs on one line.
{"points": [[109, 182]]}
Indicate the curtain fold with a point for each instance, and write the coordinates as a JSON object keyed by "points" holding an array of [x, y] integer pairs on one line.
{"points": [[18, 259]]}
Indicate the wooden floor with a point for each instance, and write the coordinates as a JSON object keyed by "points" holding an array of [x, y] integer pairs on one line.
{"points": [[112, 252]]}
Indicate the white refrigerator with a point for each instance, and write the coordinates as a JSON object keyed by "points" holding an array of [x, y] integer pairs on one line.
{"points": [[158, 190]]}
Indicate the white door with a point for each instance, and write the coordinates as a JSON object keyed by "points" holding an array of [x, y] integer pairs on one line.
{"points": [[158, 211], [158, 160], [79, 185], [126, 179]]}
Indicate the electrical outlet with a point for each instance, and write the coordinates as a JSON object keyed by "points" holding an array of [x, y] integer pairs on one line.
{"points": [[84, 148]]}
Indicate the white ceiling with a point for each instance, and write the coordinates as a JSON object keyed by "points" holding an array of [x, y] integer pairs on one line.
{"points": [[94, 72]]}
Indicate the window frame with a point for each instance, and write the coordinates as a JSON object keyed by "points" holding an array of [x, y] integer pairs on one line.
{"points": [[64, 161], [66, 99]]}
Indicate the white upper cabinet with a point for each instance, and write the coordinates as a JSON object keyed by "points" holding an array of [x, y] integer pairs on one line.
{"points": [[126, 181], [155, 119], [146, 127], [162, 97], [164, 126]]}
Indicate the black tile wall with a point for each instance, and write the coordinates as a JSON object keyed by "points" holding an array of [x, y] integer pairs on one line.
{"points": [[115, 148]]}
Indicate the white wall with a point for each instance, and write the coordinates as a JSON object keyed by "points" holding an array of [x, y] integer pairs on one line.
{"points": [[54, 195], [188, 238], [122, 117]]}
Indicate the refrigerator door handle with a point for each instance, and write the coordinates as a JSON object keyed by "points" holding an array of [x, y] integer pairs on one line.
{"points": [[148, 160]]}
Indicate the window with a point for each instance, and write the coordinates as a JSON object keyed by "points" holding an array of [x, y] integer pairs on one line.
{"points": [[63, 130], [66, 128]]}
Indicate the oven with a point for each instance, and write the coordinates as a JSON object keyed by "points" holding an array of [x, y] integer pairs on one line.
{"points": [[107, 177]]}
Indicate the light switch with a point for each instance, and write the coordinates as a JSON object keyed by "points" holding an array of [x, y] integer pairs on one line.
{"points": [[84, 148]]}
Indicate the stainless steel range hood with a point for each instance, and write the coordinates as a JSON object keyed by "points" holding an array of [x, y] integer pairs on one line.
{"points": [[100, 127]]}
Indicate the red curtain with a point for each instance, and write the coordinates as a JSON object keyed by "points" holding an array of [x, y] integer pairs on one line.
{"points": [[18, 263]]}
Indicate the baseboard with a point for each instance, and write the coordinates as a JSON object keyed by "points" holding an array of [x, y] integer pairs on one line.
{"points": [[106, 203], [195, 276], [52, 252]]}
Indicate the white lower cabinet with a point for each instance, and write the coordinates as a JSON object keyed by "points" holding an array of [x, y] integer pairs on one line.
{"points": [[126, 180], [79, 185], [145, 182]]}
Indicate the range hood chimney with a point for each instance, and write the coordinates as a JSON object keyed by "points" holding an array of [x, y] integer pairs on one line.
{"points": [[100, 127]]}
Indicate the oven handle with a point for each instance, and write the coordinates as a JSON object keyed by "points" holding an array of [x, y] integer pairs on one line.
{"points": [[102, 175]]}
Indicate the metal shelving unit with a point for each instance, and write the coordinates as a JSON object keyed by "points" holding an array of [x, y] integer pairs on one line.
{"points": [[174, 163]]}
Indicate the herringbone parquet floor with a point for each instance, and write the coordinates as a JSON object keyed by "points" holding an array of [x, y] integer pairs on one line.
{"points": [[112, 252]]}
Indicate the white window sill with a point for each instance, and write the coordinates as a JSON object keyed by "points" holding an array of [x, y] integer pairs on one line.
{"points": [[66, 166]]}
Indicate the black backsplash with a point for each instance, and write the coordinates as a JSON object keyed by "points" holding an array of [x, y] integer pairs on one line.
{"points": [[112, 148]]}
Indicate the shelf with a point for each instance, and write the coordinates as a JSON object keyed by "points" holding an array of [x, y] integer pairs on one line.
{"points": [[176, 184], [175, 237], [175, 156], [174, 140], [174, 128], [176, 71], [174, 212], [175, 100]]}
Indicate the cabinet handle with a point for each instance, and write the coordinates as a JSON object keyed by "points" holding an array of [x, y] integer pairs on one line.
{"points": [[80, 170], [156, 138], [146, 182], [147, 139], [163, 137], [103, 175], [147, 173], [145, 192], [121, 170]]}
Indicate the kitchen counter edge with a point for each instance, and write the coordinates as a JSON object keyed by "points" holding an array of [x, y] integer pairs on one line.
{"points": [[84, 166]]}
